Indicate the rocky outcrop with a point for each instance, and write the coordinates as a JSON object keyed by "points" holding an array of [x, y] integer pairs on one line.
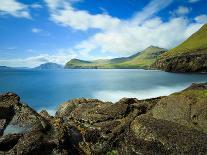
{"points": [[183, 63], [175, 124], [26, 132]]}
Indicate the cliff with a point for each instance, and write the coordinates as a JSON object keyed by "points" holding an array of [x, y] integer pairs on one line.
{"points": [[189, 56]]}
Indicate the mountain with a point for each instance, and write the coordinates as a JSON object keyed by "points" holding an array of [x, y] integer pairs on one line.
{"points": [[12, 68], [5, 68], [189, 56], [49, 65], [139, 60]]}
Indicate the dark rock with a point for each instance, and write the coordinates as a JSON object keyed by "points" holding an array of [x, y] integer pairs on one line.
{"points": [[2, 126], [184, 63], [167, 137], [7, 103], [9, 141], [188, 107], [174, 124], [198, 86]]}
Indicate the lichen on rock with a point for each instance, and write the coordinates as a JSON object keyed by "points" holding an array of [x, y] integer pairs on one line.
{"points": [[174, 124]]}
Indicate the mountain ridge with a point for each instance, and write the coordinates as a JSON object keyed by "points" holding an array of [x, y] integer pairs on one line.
{"points": [[49, 65], [189, 56], [141, 59]]}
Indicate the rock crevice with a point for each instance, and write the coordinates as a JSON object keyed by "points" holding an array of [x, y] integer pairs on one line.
{"points": [[174, 124]]}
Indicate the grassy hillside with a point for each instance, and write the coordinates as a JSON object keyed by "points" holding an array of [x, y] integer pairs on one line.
{"points": [[195, 43], [139, 60], [189, 56]]}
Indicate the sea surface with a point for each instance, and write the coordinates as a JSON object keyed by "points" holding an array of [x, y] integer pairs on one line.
{"points": [[46, 89]]}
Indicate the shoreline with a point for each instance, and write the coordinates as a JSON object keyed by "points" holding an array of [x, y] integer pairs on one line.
{"points": [[91, 126]]}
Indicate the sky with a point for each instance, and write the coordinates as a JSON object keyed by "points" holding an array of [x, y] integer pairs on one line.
{"points": [[33, 32]]}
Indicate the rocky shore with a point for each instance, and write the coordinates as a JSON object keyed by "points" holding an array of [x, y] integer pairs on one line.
{"points": [[195, 62], [174, 124]]}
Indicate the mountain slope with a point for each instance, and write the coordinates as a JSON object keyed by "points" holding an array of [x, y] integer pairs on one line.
{"points": [[139, 60], [189, 56], [49, 66]]}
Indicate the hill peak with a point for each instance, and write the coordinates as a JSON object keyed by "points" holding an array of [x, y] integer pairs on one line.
{"points": [[153, 48], [49, 65]]}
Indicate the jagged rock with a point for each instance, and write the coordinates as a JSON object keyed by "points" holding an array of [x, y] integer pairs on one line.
{"points": [[45, 115], [7, 103], [174, 124], [184, 63], [24, 131], [9, 141]]}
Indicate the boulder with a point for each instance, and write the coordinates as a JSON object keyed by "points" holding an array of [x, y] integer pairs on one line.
{"points": [[188, 107], [174, 124]]}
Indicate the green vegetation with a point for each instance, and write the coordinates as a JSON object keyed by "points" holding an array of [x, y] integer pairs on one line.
{"points": [[189, 56], [113, 152], [142, 59], [195, 43]]}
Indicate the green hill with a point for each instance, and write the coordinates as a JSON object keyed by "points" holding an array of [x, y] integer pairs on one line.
{"points": [[49, 65], [142, 59], [189, 56]]}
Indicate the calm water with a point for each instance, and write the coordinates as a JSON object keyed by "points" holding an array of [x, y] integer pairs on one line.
{"points": [[48, 88]]}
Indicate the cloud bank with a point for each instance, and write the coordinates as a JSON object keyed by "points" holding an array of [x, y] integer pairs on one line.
{"points": [[113, 35], [125, 36], [14, 8]]}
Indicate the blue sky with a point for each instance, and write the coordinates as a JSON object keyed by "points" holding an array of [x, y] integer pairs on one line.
{"points": [[33, 32]]}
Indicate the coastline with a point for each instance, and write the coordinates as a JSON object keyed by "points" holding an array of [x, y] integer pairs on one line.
{"points": [[90, 126]]}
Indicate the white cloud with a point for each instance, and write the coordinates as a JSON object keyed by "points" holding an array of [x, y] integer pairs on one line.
{"points": [[181, 10], [63, 13], [115, 35], [125, 36], [14, 8], [152, 8], [193, 1], [36, 6], [129, 39], [61, 58], [201, 19], [36, 30]]}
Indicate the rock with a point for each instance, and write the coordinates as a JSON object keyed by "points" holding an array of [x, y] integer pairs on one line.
{"points": [[166, 137], [188, 107], [9, 141], [184, 63], [101, 125], [174, 124], [24, 131], [7, 103], [198, 86], [33, 143], [2, 126], [45, 115], [66, 108]]}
